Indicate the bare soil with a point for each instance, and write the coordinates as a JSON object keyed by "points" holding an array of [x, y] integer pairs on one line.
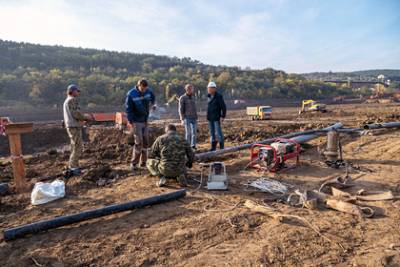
{"points": [[210, 228]]}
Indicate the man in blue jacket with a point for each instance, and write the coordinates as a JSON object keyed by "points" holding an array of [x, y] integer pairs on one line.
{"points": [[138, 102], [216, 112]]}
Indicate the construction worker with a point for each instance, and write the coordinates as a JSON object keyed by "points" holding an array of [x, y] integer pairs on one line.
{"points": [[169, 157], [138, 103], [188, 115], [73, 119], [216, 113]]}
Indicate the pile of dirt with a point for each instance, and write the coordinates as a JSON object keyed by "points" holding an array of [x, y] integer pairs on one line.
{"points": [[101, 136], [42, 138], [109, 143]]}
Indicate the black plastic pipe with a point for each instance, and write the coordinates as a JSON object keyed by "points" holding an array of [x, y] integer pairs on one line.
{"points": [[33, 228], [4, 189], [381, 125], [308, 135]]}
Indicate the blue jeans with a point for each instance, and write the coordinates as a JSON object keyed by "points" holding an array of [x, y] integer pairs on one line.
{"points": [[191, 131], [216, 126]]}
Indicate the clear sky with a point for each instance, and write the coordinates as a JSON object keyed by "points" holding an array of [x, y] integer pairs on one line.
{"points": [[292, 35]]}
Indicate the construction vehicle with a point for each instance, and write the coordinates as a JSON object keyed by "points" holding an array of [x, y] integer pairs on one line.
{"points": [[312, 106], [102, 118], [259, 112]]}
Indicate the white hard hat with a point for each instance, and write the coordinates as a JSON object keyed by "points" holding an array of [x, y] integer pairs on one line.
{"points": [[212, 84]]}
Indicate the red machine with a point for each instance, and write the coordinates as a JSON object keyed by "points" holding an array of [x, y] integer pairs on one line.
{"points": [[273, 157], [103, 117]]}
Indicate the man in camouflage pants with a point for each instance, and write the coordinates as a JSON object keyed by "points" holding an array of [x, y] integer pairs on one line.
{"points": [[72, 121], [169, 156]]}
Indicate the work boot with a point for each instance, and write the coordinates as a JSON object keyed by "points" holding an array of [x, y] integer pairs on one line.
{"points": [[143, 166], [134, 168], [221, 145], [213, 146], [182, 180], [162, 182], [69, 172]]}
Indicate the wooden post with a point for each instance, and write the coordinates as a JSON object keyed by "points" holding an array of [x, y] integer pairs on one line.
{"points": [[14, 132]]}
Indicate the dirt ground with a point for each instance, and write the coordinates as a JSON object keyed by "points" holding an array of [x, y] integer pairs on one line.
{"points": [[212, 228]]}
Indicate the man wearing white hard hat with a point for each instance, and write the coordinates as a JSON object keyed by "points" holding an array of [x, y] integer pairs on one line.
{"points": [[216, 113]]}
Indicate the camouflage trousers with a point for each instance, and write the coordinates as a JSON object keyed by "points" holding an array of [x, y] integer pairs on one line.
{"points": [[75, 135], [140, 132], [155, 169]]}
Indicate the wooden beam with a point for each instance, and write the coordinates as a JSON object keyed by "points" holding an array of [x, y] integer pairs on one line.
{"points": [[17, 162], [19, 128], [14, 136]]}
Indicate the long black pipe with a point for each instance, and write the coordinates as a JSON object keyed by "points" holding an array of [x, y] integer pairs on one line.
{"points": [[4, 189], [307, 134], [381, 125], [37, 227]]}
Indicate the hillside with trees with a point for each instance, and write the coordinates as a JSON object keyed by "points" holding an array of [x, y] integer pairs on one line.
{"points": [[33, 74], [363, 75]]}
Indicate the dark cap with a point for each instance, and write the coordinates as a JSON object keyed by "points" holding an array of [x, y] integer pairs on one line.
{"points": [[143, 83], [170, 127]]}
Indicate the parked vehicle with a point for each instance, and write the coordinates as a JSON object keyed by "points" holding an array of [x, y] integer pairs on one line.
{"points": [[259, 112], [312, 106]]}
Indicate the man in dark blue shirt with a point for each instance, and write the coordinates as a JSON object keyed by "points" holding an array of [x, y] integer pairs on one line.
{"points": [[138, 103], [216, 113]]}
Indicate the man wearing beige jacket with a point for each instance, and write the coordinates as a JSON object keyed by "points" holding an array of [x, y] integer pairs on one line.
{"points": [[73, 119]]}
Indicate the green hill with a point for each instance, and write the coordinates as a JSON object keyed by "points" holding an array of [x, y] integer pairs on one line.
{"points": [[38, 75]]}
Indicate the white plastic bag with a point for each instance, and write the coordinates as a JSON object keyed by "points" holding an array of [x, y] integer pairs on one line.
{"points": [[46, 192]]}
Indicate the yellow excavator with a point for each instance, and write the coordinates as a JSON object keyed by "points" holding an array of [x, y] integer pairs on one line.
{"points": [[311, 106]]}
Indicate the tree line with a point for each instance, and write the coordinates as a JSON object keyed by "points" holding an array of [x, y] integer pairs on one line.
{"points": [[33, 74]]}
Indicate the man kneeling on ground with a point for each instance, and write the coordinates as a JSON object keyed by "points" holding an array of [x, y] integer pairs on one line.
{"points": [[169, 156]]}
